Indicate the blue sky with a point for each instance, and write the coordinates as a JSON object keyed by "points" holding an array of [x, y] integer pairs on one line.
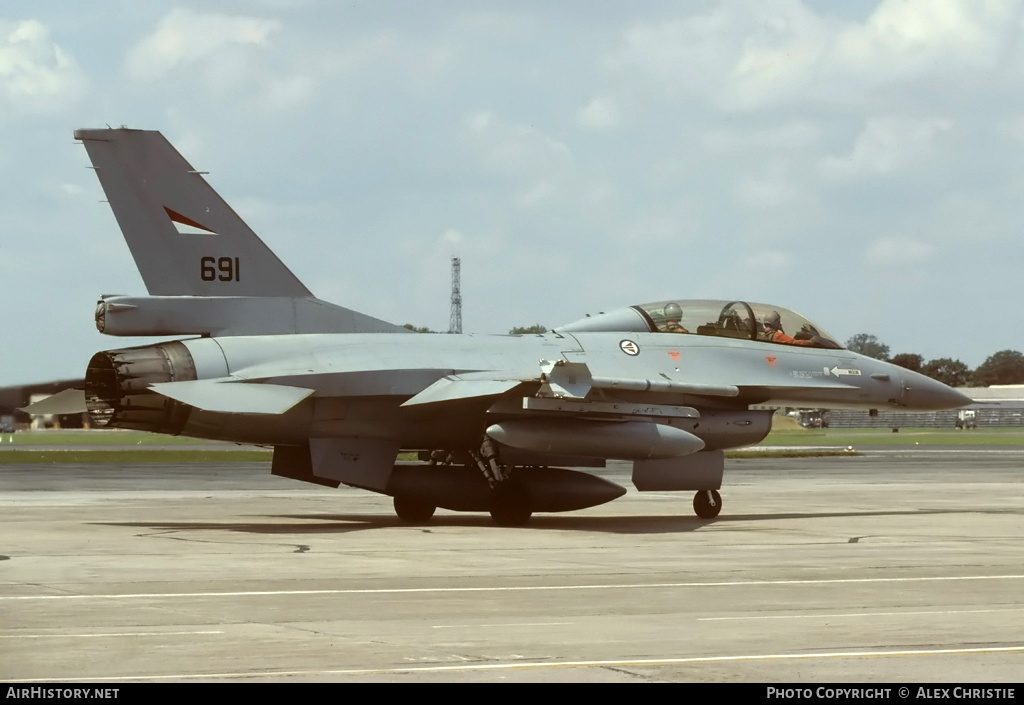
{"points": [[860, 164]]}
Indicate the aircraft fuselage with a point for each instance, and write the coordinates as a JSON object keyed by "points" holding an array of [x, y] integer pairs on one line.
{"points": [[361, 382]]}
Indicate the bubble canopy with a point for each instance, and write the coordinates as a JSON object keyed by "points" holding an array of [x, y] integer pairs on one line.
{"points": [[742, 320]]}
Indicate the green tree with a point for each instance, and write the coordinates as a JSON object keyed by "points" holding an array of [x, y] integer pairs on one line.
{"points": [[1005, 367], [910, 361], [416, 329], [948, 371], [526, 330], [868, 345]]}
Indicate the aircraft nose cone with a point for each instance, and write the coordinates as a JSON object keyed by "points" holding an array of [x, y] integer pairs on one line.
{"points": [[927, 394]]}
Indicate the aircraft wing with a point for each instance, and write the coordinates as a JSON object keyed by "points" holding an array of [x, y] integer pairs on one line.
{"points": [[462, 387]]}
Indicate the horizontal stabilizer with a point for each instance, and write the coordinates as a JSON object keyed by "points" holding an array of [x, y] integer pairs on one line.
{"points": [[231, 397], [70, 401]]}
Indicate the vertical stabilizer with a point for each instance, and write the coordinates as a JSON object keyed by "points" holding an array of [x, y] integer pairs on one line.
{"points": [[185, 239]]}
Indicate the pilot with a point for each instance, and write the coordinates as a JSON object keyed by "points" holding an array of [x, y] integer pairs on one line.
{"points": [[673, 314], [773, 331]]}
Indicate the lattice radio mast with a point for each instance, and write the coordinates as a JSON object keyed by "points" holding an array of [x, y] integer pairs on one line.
{"points": [[455, 322]]}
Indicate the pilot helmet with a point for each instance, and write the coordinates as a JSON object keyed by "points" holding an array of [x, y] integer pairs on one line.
{"points": [[773, 320], [673, 312]]}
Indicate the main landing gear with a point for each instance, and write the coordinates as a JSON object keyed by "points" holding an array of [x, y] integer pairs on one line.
{"points": [[511, 504], [505, 496], [413, 511], [707, 504]]}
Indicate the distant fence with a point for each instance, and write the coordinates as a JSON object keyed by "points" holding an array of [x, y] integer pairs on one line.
{"points": [[995, 417]]}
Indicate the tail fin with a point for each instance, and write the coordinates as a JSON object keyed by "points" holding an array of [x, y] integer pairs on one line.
{"points": [[185, 239], [206, 271]]}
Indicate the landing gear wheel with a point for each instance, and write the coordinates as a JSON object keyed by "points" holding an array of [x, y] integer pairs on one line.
{"points": [[510, 503], [413, 511], [707, 504]]}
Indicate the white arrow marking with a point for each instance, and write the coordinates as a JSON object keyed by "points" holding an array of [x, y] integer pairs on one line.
{"points": [[839, 371]]}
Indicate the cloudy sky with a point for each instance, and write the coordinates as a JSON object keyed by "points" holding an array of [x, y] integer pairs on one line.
{"points": [[859, 162]]}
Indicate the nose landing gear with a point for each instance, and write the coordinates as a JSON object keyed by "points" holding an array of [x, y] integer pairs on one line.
{"points": [[707, 504]]}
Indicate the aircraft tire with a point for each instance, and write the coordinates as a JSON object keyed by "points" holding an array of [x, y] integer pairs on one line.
{"points": [[511, 503], [704, 508], [413, 511]]}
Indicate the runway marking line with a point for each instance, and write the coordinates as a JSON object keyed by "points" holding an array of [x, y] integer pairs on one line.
{"points": [[505, 624], [851, 614], [103, 634], [619, 663], [520, 588]]}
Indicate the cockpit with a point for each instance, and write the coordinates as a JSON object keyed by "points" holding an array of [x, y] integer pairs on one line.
{"points": [[723, 319]]}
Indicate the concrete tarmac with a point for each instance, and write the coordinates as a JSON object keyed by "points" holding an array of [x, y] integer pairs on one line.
{"points": [[892, 566]]}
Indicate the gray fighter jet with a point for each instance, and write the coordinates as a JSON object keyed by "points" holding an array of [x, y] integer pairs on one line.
{"points": [[495, 420]]}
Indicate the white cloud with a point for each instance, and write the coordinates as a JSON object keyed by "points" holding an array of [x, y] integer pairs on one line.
{"points": [[744, 56], [538, 194], [767, 262], [656, 230], [779, 57], [600, 113], [379, 58], [898, 252], [479, 122], [362, 55], [888, 144], [738, 55], [420, 58], [975, 217], [279, 211], [516, 147], [185, 37], [1013, 127], [791, 135], [903, 39], [289, 91], [769, 192], [36, 75], [602, 194]]}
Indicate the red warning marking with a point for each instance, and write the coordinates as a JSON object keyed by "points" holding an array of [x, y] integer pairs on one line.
{"points": [[185, 220], [674, 354], [770, 359]]}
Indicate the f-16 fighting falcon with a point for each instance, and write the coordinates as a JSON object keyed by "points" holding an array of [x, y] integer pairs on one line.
{"points": [[495, 420]]}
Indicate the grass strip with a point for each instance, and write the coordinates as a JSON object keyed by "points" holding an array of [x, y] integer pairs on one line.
{"points": [[134, 456], [101, 438], [929, 437], [790, 453]]}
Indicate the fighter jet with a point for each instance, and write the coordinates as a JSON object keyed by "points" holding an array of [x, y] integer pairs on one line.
{"points": [[495, 421]]}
